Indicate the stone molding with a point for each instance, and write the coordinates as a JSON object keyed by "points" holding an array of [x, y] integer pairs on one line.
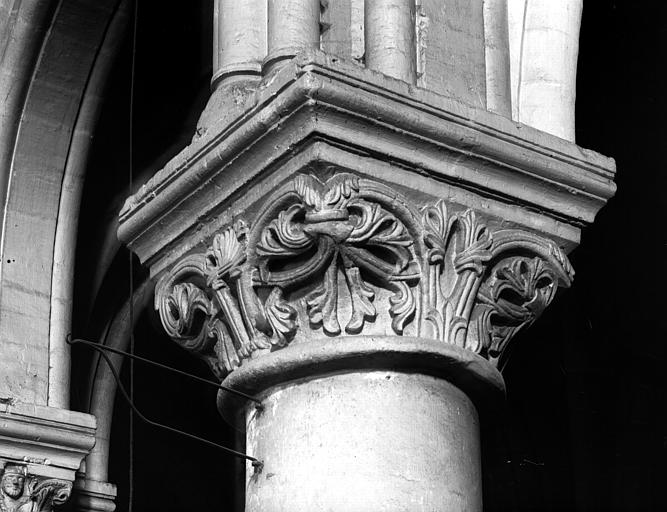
{"points": [[317, 108], [50, 442], [349, 256], [94, 496], [300, 362]]}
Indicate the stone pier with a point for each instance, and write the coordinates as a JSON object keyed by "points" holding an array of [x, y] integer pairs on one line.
{"points": [[355, 235]]}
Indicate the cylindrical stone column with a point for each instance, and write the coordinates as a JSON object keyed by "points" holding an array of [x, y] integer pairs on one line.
{"points": [[293, 25], [93, 496], [390, 38], [364, 364], [364, 424], [239, 39], [497, 58], [544, 46]]}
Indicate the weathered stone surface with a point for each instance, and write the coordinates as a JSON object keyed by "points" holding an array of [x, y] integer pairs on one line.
{"points": [[350, 256], [342, 24], [364, 441], [33, 161], [544, 45], [292, 25], [478, 378], [497, 58], [41, 448], [452, 46], [93, 496], [239, 39], [328, 228], [51, 442], [358, 252], [389, 38], [23, 492], [318, 112]]}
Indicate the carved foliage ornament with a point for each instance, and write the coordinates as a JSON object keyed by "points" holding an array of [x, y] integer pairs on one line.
{"points": [[340, 255], [20, 492]]}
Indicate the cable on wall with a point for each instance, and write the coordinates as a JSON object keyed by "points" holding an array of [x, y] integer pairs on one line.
{"points": [[256, 463], [98, 346]]}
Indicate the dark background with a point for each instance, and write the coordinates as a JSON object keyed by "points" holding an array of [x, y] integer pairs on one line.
{"points": [[585, 425]]}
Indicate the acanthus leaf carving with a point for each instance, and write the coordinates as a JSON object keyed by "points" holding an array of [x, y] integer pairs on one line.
{"points": [[361, 296], [336, 256], [467, 242], [227, 356], [402, 306], [183, 305], [322, 302], [354, 237], [437, 227], [283, 237], [224, 258], [197, 306], [281, 316], [476, 241], [48, 493], [517, 292]]}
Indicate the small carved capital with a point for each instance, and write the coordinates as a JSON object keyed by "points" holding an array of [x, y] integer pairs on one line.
{"points": [[22, 492], [352, 256]]}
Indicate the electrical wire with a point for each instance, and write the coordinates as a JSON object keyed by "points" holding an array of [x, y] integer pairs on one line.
{"points": [[255, 462], [130, 269], [164, 367]]}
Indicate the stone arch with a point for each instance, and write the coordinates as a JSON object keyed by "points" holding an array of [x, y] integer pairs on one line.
{"points": [[44, 169]]}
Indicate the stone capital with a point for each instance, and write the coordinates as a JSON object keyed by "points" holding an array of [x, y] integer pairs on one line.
{"points": [[336, 202], [21, 491], [41, 448], [357, 253], [319, 112], [335, 254]]}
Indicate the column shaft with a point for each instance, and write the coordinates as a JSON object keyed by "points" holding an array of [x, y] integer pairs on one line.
{"points": [[356, 254], [544, 45], [390, 38], [93, 496], [450, 49], [497, 57], [343, 29], [239, 38], [293, 25], [365, 441]]}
